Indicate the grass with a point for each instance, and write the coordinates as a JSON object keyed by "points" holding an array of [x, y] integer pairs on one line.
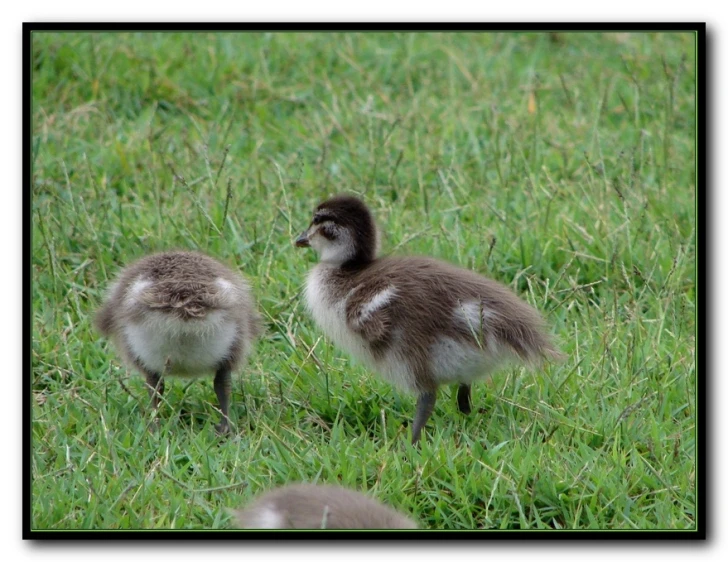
{"points": [[560, 164]]}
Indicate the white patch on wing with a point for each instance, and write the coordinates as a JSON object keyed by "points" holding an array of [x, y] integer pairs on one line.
{"points": [[474, 314], [228, 296], [224, 284], [137, 288], [166, 344], [379, 300], [477, 318]]}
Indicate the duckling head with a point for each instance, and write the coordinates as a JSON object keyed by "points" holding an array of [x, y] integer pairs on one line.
{"points": [[342, 232]]}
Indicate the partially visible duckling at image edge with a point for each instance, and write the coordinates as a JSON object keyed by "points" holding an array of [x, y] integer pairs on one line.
{"points": [[318, 506], [417, 321], [181, 314]]}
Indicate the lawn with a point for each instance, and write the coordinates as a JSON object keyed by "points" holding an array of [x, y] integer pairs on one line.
{"points": [[562, 165]]}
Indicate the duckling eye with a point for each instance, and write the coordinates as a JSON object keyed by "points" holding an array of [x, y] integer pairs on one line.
{"points": [[328, 231], [317, 220]]}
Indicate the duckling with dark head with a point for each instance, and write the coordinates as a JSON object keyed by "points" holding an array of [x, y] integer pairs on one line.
{"points": [[181, 314], [418, 321]]}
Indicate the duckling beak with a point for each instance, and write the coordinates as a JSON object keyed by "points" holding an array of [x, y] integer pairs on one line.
{"points": [[302, 240]]}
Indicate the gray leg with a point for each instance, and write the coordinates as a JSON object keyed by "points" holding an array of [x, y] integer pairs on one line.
{"points": [[464, 398], [223, 386], [155, 385], [425, 405]]}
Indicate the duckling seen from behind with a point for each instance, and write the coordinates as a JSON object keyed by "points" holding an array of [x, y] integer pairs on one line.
{"points": [[181, 314]]}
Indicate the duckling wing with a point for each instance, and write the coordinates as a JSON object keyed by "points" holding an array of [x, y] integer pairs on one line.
{"points": [[369, 310]]}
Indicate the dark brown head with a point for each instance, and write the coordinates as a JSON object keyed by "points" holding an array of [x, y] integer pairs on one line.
{"points": [[342, 232]]}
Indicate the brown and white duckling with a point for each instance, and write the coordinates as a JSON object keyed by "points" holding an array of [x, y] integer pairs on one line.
{"points": [[419, 322], [317, 506], [181, 314]]}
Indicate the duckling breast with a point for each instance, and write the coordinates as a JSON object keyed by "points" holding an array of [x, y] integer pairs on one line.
{"points": [[326, 301]]}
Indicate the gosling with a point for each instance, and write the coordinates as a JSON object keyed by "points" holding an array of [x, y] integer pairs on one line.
{"points": [[417, 321], [181, 314], [311, 506]]}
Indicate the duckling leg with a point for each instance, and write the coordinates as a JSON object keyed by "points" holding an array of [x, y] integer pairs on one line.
{"points": [[464, 398], [223, 386], [425, 405], [155, 385]]}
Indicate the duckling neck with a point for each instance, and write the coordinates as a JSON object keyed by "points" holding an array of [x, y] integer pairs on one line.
{"points": [[364, 254], [357, 263]]}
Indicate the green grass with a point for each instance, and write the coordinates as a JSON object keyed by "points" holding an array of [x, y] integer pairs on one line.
{"points": [[562, 165]]}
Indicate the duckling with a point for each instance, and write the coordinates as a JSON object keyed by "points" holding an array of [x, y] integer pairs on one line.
{"points": [[419, 322], [181, 314], [317, 506]]}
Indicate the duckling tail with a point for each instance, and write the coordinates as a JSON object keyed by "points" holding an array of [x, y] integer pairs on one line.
{"points": [[553, 354]]}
